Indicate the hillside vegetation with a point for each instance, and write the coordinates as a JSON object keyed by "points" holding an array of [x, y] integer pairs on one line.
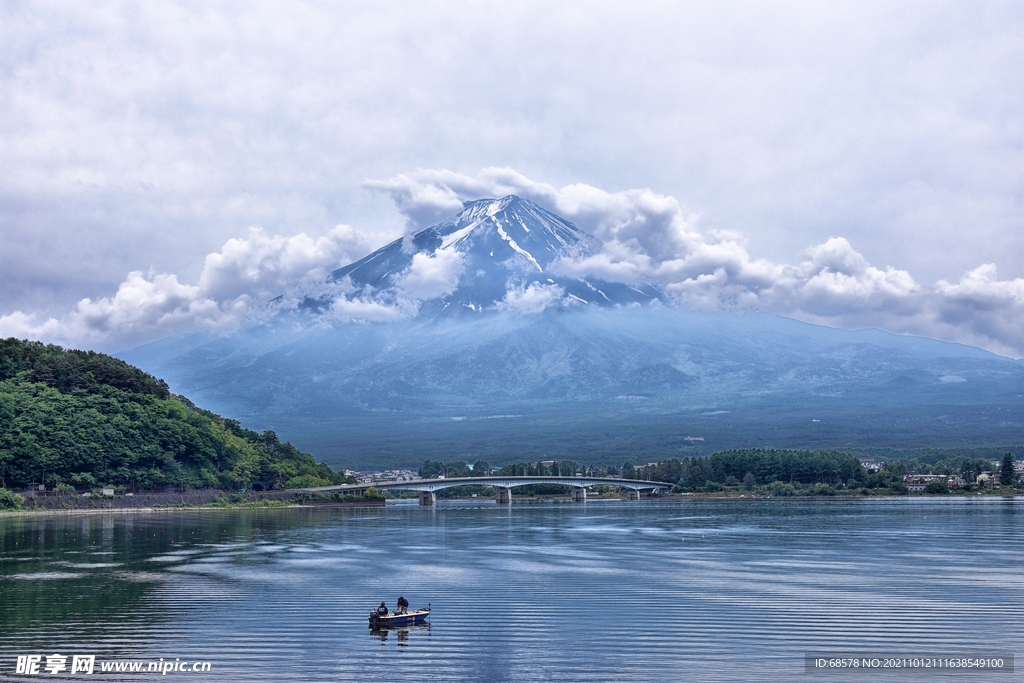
{"points": [[85, 419]]}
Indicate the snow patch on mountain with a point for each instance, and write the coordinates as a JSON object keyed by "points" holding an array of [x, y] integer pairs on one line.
{"points": [[517, 248]]}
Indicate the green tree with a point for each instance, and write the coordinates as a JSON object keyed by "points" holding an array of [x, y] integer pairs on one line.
{"points": [[897, 486], [973, 467], [749, 481], [823, 490], [458, 469], [936, 486], [1006, 471], [431, 468], [897, 469], [10, 501], [779, 488], [306, 481]]}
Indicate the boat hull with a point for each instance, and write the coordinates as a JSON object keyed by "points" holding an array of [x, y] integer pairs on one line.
{"points": [[410, 618]]}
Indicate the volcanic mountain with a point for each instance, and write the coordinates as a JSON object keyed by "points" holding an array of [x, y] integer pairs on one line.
{"points": [[609, 372], [501, 245]]}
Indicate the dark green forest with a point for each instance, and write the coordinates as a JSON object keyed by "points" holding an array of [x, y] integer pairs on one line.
{"points": [[766, 466], [84, 420]]}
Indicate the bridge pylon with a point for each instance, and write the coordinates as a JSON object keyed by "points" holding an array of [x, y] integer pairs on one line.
{"points": [[502, 495], [579, 494]]}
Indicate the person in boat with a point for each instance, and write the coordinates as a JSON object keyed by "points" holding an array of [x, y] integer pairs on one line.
{"points": [[403, 605], [383, 609]]}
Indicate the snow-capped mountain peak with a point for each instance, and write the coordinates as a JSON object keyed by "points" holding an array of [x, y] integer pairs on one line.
{"points": [[526, 229], [504, 246]]}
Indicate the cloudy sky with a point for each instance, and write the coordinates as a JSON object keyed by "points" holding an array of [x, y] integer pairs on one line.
{"points": [[169, 166]]}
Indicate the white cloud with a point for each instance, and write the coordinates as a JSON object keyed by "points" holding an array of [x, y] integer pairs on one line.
{"points": [[989, 310], [836, 280], [157, 305], [646, 237], [643, 237], [26, 326], [262, 266], [363, 309], [534, 298], [235, 287], [422, 203], [432, 275]]}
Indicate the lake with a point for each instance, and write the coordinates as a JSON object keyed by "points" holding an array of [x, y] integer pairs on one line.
{"points": [[654, 590]]}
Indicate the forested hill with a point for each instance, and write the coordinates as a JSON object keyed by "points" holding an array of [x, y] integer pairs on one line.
{"points": [[85, 419]]}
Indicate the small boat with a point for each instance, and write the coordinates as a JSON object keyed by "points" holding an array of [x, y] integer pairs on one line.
{"points": [[407, 618]]}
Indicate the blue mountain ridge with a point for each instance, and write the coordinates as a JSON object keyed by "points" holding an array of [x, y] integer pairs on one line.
{"points": [[615, 374]]}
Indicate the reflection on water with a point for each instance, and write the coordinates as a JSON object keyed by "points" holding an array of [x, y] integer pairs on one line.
{"points": [[400, 634], [603, 591]]}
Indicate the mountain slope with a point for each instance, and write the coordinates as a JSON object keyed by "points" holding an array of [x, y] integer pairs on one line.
{"points": [[599, 370], [585, 381], [86, 419]]}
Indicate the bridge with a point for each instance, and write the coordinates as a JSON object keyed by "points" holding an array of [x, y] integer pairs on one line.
{"points": [[503, 486]]}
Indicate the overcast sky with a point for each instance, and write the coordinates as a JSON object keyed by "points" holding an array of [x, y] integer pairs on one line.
{"points": [[141, 144]]}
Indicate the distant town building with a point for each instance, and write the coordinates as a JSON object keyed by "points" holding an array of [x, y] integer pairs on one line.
{"points": [[385, 476], [918, 482], [986, 479]]}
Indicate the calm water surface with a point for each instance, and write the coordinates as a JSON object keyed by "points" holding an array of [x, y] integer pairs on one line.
{"points": [[672, 590]]}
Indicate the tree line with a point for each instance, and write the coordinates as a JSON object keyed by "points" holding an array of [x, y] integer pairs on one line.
{"points": [[776, 471], [763, 466]]}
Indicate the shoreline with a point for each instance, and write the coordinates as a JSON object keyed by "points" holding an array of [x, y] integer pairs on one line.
{"points": [[43, 512], [532, 499]]}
